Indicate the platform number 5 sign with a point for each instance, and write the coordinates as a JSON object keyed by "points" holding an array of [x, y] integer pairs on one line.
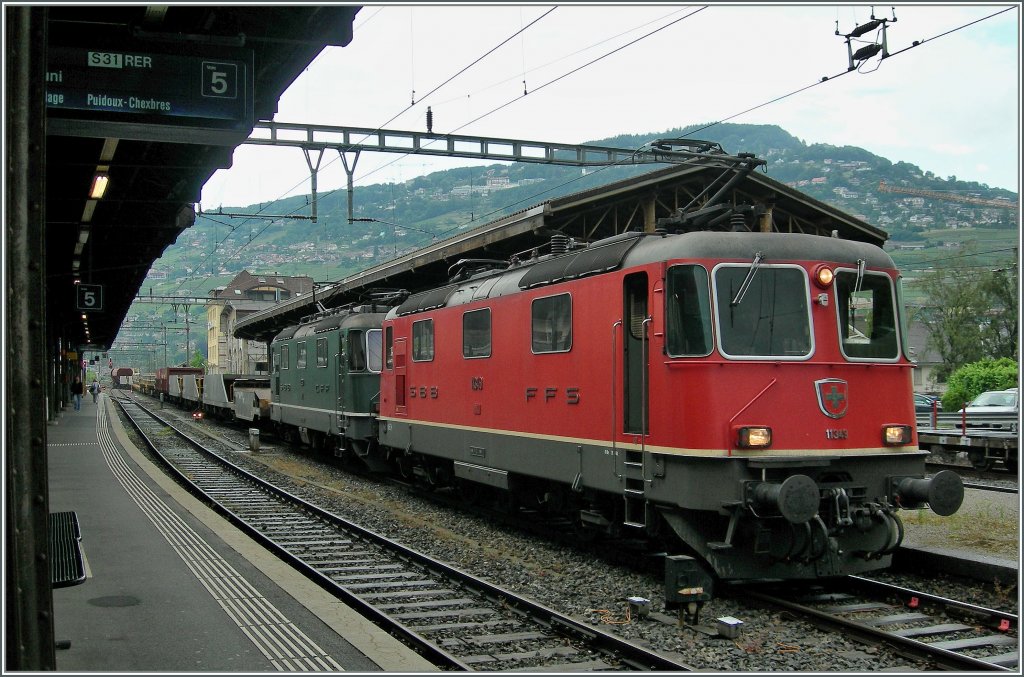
{"points": [[90, 297], [220, 79]]}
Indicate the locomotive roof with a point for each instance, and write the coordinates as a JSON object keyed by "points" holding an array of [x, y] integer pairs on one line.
{"points": [[743, 246], [634, 249], [360, 317]]}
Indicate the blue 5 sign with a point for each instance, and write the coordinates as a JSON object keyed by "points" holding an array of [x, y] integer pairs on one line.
{"points": [[90, 297]]}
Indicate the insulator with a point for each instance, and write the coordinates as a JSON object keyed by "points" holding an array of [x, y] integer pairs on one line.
{"points": [[737, 223], [866, 28], [430, 120], [866, 52], [559, 244]]}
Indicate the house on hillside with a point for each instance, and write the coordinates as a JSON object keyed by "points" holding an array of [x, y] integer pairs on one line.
{"points": [[243, 296]]}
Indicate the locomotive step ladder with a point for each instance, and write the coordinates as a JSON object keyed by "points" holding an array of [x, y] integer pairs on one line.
{"points": [[634, 492]]}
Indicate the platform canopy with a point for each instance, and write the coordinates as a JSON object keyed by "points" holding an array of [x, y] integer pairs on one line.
{"points": [[637, 203], [152, 99]]}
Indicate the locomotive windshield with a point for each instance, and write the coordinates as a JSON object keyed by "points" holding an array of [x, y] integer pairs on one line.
{"points": [[770, 319], [867, 315]]}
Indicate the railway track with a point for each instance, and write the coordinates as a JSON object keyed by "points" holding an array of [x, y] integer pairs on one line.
{"points": [[951, 635], [456, 620], [987, 480]]}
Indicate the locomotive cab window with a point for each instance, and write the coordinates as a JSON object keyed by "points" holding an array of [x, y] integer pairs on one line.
{"points": [[373, 348], [551, 318], [476, 333], [321, 352], [763, 311], [423, 341], [389, 347], [356, 351], [867, 316], [300, 355], [688, 312], [285, 363]]}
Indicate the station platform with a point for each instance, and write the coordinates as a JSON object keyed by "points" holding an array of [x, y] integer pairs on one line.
{"points": [[170, 586]]}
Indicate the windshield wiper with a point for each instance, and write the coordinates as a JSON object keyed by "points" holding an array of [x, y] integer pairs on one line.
{"points": [[861, 265], [758, 257]]}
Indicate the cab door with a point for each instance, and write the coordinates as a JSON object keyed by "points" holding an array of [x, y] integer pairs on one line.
{"points": [[635, 349], [401, 351]]}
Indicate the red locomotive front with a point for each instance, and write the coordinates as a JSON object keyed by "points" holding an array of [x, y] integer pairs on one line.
{"points": [[748, 394]]}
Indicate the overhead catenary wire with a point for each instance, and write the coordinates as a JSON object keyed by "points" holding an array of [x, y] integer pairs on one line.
{"points": [[705, 127], [822, 81]]}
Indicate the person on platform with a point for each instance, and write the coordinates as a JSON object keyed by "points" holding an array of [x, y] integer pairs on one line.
{"points": [[76, 393], [94, 388]]}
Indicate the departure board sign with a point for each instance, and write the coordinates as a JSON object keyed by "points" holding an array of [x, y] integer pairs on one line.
{"points": [[140, 87]]}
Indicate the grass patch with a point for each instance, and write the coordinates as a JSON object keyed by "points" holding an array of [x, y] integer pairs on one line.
{"points": [[984, 528]]}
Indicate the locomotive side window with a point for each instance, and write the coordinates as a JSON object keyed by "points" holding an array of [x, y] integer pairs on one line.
{"points": [[552, 324], [373, 346], [867, 316], [423, 341], [356, 351], [285, 362], [321, 352], [389, 347], [476, 333], [688, 312], [300, 355], [763, 311]]}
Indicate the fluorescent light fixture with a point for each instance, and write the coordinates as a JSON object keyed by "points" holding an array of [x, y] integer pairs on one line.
{"points": [[90, 207], [110, 144], [79, 246], [83, 235], [99, 185]]}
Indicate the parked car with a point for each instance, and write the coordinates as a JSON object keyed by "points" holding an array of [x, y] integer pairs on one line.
{"points": [[994, 402], [923, 403]]}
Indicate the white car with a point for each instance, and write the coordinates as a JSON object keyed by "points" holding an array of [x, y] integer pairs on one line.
{"points": [[994, 402]]}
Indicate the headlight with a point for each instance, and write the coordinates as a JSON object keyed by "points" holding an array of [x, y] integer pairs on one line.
{"points": [[754, 437], [823, 276], [894, 435]]}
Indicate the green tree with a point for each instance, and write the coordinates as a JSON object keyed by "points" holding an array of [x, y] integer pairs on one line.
{"points": [[953, 318], [970, 315], [1000, 331], [198, 360], [971, 380]]}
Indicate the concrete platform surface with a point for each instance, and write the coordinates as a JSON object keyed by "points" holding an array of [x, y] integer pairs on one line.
{"points": [[173, 587]]}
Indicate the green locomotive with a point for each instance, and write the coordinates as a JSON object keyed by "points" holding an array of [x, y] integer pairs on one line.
{"points": [[325, 380]]}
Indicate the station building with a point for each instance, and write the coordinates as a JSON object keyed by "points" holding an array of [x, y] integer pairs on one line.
{"points": [[244, 295]]}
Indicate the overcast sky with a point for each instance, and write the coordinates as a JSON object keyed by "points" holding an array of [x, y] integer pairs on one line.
{"points": [[950, 105]]}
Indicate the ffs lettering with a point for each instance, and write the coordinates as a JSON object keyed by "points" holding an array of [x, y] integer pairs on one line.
{"points": [[569, 395]]}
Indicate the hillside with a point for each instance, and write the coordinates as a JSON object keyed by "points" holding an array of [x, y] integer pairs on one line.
{"points": [[403, 217]]}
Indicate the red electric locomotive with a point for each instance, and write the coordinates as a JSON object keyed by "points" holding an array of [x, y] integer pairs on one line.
{"points": [[745, 395]]}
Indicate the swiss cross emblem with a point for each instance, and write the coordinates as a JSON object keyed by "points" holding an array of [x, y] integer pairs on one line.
{"points": [[833, 396]]}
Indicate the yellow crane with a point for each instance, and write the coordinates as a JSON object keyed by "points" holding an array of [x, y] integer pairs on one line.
{"points": [[883, 187]]}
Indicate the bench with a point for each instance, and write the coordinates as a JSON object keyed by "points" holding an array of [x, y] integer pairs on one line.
{"points": [[67, 565]]}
